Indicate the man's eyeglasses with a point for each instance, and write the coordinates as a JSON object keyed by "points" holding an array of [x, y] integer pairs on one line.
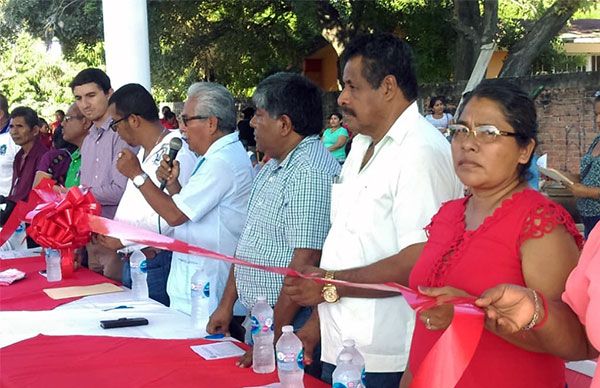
{"points": [[69, 118], [113, 124], [187, 119], [483, 133]]}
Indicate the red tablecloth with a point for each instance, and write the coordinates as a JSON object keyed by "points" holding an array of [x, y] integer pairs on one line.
{"points": [[27, 294], [82, 361]]}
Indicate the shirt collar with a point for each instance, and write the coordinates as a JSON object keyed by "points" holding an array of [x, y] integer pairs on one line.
{"points": [[397, 131], [103, 126], [406, 120], [303, 144], [221, 143]]}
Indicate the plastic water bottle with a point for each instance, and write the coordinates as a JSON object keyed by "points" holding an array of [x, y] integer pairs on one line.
{"points": [[263, 356], [290, 359], [357, 358], [18, 240], [200, 294], [346, 374], [53, 272], [139, 274]]}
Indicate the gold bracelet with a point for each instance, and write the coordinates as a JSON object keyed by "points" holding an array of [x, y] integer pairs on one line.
{"points": [[536, 312]]}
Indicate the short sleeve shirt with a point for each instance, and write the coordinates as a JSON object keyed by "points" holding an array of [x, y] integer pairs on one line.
{"points": [[288, 209]]}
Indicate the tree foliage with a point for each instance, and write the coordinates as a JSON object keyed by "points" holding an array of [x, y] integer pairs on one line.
{"points": [[33, 78], [239, 42]]}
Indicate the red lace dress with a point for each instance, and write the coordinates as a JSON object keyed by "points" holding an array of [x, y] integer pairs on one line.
{"points": [[475, 260]]}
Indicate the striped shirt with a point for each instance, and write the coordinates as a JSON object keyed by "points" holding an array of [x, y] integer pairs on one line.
{"points": [[288, 209]]}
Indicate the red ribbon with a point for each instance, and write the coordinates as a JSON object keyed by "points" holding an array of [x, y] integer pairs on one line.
{"points": [[66, 221]]}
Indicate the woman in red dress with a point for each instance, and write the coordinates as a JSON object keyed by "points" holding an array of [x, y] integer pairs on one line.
{"points": [[502, 232]]}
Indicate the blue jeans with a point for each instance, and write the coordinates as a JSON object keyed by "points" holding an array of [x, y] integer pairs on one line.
{"points": [[373, 380], [158, 273], [588, 224]]}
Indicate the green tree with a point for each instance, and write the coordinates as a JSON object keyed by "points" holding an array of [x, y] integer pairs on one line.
{"points": [[33, 78]]}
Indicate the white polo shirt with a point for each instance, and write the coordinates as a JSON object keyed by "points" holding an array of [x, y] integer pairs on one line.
{"points": [[216, 201], [376, 213], [133, 207], [8, 150]]}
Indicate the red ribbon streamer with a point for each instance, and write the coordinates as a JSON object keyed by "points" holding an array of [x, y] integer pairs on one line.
{"points": [[66, 222]]}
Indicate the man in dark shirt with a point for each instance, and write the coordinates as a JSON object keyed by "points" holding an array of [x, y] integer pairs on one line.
{"points": [[246, 132], [24, 130]]}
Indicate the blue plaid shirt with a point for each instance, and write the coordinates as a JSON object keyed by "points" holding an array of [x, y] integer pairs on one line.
{"points": [[288, 209]]}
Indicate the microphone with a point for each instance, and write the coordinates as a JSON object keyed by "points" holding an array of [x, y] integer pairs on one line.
{"points": [[174, 147]]}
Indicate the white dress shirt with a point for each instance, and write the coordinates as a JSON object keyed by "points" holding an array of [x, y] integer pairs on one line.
{"points": [[8, 150], [376, 212], [133, 207], [215, 200]]}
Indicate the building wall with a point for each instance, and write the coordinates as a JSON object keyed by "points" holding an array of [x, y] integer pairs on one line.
{"points": [[321, 67], [564, 108]]}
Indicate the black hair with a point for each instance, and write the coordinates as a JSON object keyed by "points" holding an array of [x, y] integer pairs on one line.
{"points": [[292, 95], [134, 99], [90, 75], [248, 112], [60, 112], [517, 107], [30, 116], [383, 55], [337, 114], [435, 99]]}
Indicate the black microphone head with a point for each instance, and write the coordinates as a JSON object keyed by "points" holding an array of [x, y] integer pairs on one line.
{"points": [[174, 147], [175, 144]]}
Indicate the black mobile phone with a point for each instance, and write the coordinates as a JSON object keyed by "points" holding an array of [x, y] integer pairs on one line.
{"points": [[123, 322]]}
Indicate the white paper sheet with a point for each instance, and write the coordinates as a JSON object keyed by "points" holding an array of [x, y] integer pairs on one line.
{"points": [[218, 350]]}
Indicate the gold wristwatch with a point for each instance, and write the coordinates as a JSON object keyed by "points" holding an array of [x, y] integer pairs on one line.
{"points": [[329, 290]]}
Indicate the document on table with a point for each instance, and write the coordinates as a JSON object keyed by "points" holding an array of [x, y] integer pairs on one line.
{"points": [[76, 291], [218, 350], [20, 254]]}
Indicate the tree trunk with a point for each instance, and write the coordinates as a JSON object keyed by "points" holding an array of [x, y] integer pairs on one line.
{"points": [[467, 26], [522, 54]]}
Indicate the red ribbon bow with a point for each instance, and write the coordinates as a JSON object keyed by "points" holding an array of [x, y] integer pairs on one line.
{"points": [[60, 221]]}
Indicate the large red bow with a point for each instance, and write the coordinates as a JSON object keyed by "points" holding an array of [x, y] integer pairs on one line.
{"points": [[60, 221]]}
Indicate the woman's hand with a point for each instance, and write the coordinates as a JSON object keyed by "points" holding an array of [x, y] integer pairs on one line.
{"points": [[508, 307], [440, 316]]}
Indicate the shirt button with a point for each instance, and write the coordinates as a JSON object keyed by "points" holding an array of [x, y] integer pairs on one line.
{"points": [[96, 177], [97, 160]]}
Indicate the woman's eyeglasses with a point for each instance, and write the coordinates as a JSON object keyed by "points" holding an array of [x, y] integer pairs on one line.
{"points": [[483, 133]]}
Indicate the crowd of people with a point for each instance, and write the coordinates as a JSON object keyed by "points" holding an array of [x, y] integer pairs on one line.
{"points": [[396, 211]]}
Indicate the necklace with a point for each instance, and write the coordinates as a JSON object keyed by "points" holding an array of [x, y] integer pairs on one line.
{"points": [[158, 139]]}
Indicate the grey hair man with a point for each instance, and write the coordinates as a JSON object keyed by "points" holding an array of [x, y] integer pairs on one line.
{"points": [[210, 209]]}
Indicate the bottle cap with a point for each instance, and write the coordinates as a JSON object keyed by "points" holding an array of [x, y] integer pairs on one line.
{"points": [[287, 329], [261, 298], [349, 343]]}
